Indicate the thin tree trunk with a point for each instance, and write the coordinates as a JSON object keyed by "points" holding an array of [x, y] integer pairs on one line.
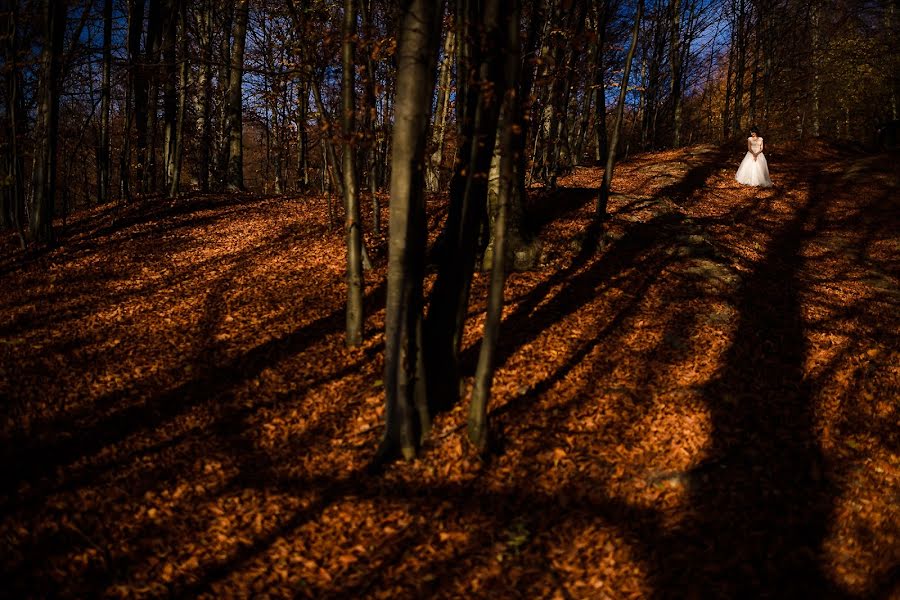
{"points": [[355, 317], [418, 36], [603, 199]]}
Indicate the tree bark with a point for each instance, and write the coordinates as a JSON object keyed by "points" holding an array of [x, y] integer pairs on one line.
{"points": [[355, 317], [603, 199]]}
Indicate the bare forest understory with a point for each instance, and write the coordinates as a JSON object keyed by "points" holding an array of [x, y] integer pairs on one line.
{"points": [[704, 404]]}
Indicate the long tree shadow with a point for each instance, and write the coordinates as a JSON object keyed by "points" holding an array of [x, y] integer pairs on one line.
{"points": [[760, 501]]}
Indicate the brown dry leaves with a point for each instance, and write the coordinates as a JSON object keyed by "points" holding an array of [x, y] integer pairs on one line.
{"points": [[705, 404]]}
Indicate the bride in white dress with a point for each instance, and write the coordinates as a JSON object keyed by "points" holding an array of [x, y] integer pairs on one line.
{"points": [[754, 169]]}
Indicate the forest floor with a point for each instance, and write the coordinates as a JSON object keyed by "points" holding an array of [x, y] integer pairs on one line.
{"points": [[705, 405]]}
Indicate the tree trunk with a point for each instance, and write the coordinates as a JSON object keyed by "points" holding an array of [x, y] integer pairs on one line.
{"points": [[328, 126], [47, 124], [418, 39], [170, 97], [151, 61], [234, 121], [603, 199], [484, 373], [370, 118], [202, 105], [103, 194], [675, 72], [441, 113], [15, 106], [178, 152], [740, 68], [355, 317], [601, 148]]}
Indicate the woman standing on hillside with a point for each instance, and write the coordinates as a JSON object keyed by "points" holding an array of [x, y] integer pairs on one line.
{"points": [[754, 169]]}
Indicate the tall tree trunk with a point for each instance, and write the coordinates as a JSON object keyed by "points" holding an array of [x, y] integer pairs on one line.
{"points": [[740, 68], [136, 94], [170, 90], [352, 225], [47, 124], [152, 63], [418, 39], [484, 372], [203, 98], [603, 199], [370, 118], [184, 71], [675, 71], [815, 26], [103, 194], [234, 122], [601, 148], [15, 106]]}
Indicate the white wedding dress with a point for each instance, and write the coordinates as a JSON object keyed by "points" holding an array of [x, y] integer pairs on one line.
{"points": [[754, 172]]}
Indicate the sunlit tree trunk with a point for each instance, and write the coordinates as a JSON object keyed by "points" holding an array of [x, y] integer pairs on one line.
{"points": [[603, 199]]}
